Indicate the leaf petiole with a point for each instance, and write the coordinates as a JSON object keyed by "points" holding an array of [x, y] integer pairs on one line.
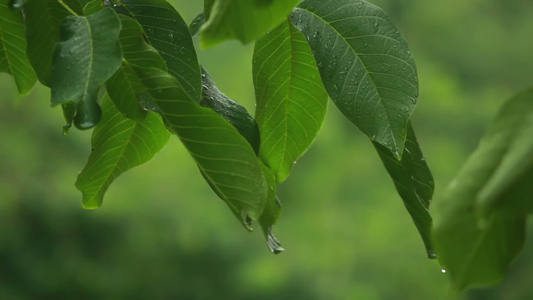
{"points": [[67, 7]]}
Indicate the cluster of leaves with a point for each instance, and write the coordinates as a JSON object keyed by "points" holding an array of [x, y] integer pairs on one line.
{"points": [[142, 51]]}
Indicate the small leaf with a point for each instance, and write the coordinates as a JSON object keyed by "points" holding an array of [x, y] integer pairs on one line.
{"points": [[87, 56], [196, 23], [118, 144], [231, 110], [271, 212], [244, 20], [291, 100], [365, 65], [124, 88], [414, 183], [92, 7], [224, 157], [480, 220], [169, 34], [13, 59]]}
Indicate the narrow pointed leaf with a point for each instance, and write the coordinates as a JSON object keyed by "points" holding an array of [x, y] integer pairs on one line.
{"points": [[87, 57], [365, 65], [13, 58], [271, 213], [480, 220], [196, 23], [229, 109], [414, 183], [224, 156], [291, 100], [124, 88], [244, 20], [167, 32], [118, 144]]}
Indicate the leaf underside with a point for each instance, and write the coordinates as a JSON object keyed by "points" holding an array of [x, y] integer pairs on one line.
{"points": [[291, 101], [13, 58]]}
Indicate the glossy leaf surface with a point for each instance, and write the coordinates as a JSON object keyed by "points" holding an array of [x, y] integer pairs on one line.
{"points": [[480, 221], [88, 55], [291, 100], [43, 20], [231, 110], [118, 144], [414, 183], [223, 155], [124, 88], [13, 59], [365, 65], [169, 34], [244, 20]]}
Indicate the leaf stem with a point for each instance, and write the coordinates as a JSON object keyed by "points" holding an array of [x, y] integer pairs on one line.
{"points": [[67, 7]]}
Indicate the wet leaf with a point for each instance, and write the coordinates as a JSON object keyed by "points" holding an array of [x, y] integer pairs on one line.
{"points": [[86, 57], [13, 58], [118, 144], [291, 100], [167, 32], [365, 64], [271, 213], [414, 183]]}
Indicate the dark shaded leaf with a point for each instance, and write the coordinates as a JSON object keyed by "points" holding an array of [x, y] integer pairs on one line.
{"points": [[196, 23], [223, 155], [414, 183], [13, 59], [169, 34], [118, 144], [231, 110], [244, 20], [480, 220], [271, 212], [87, 56], [291, 101], [365, 64]]}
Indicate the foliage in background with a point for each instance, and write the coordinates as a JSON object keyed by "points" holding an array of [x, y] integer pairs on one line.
{"points": [[339, 60]]}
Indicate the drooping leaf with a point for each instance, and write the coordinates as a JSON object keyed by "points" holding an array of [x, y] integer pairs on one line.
{"points": [[167, 32], [271, 212], [224, 156], [196, 24], [231, 110], [88, 55], [480, 220], [414, 183], [124, 88], [245, 20], [365, 65], [118, 144], [291, 100], [13, 58], [43, 20]]}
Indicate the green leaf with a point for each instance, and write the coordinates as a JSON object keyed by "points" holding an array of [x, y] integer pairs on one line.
{"points": [[271, 212], [245, 20], [13, 59], [196, 23], [167, 32], [291, 100], [414, 183], [124, 88], [92, 7], [230, 110], [480, 220], [365, 65], [208, 6], [87, 57], [118, 144], [223, 155]]}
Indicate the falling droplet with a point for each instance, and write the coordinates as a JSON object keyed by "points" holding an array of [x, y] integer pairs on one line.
{"points": [[273, 243]]}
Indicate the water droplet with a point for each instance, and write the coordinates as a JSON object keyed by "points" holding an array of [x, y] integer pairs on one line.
{"points": [[273, 243], [182, 50], [246, 220], [373, 137], [443, 270]]}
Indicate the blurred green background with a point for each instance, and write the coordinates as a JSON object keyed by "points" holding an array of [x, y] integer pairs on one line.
{"points": [[163, 234]]}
